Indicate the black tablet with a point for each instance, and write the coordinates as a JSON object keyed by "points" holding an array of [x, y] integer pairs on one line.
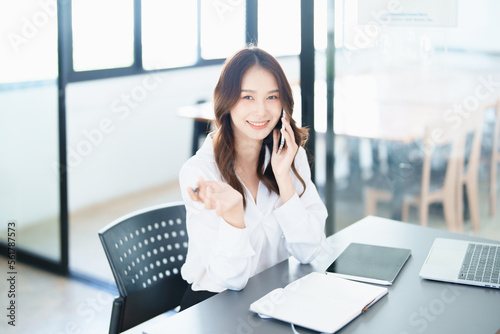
{"points": [[369, 263]]}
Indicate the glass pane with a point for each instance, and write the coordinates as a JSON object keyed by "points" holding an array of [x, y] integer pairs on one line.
{"points": [[407, 95], [320, 43], [162, 44], [28, 28], [320, 28], [29, 191], [103, 34], [222, 28], [279, 27]]}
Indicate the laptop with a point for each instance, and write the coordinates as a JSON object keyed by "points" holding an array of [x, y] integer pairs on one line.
{"points": [[464, 262]]}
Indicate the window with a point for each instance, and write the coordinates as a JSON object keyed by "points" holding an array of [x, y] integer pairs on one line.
{"points": [[163, 45], [320, 24], [103, 34], [222, 28], [176, 34], [279, 27], [29, 49]]}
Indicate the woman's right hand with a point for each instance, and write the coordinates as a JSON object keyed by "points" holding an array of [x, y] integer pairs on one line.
{"points": [[221, 197]]}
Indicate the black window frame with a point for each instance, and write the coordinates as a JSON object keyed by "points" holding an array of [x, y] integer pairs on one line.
{"points": [[137, 65]]}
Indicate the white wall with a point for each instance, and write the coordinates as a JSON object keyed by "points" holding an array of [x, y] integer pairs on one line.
{"points": [[124, 134], [478, 26], [477, 29]]}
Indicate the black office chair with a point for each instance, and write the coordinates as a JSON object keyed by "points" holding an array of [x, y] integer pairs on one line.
{"points": [[145, 250]]}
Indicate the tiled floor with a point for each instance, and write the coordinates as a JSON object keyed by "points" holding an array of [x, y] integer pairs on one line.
{"points": [[50, 304]]}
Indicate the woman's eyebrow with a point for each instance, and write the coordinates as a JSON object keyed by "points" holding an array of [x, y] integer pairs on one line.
{"points": [[253, 91]]}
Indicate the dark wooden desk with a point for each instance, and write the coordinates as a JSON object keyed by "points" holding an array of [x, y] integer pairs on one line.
{"points": [[413, 305]]}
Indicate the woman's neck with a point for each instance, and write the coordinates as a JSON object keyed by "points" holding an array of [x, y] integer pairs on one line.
{"points": [[247, 154], [247, 160]]}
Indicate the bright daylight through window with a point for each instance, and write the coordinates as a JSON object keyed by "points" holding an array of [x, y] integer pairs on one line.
{"points": [[161, 41], [103, 38]]}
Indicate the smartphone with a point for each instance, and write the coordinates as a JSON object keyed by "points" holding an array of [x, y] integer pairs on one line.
{"points": [[282, 138]]}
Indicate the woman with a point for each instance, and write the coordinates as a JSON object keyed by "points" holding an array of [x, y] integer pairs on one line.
{"points": [[249, 203]]}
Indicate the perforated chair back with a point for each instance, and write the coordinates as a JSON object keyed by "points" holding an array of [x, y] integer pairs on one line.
{"points": [[146, 250]]}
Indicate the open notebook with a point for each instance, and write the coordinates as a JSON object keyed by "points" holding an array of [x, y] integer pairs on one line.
{"points": [[319, 302]]}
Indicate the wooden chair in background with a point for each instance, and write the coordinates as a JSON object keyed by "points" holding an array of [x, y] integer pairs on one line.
{"points": [[437, 187], [372, 196], [468, 175], [430, 186]]}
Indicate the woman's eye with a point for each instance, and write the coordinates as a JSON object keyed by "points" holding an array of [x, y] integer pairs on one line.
{"points": [[246, 97], [273, 97]]}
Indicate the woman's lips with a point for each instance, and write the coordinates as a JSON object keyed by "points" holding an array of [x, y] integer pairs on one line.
{"points": [[258, 125]]}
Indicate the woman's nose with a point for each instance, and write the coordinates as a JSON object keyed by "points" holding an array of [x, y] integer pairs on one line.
{"points": [[260, 107]]}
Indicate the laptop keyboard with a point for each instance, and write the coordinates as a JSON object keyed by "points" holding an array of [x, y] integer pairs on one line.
{"points": [[481, 264]]}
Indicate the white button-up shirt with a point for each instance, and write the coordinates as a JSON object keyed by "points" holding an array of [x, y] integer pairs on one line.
{"points": [[221, 256]]}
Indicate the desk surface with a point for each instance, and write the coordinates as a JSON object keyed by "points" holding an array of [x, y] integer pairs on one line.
{"points": [[203, 112], [413, 305]]}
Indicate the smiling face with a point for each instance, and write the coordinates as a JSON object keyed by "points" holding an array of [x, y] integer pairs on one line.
{"points": [[259, 107]]}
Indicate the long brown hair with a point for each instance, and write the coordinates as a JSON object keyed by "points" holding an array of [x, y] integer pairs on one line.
{"points": [[226, 95]]}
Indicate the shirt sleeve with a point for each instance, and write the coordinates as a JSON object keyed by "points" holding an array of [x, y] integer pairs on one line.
{"points": [[216, 248], [302, 218]]}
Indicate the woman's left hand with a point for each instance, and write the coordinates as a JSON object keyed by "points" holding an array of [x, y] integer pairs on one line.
{"points": [[281, 162]]}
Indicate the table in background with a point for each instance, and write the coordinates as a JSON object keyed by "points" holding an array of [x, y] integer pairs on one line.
{"points": [[413, 305], [202, 114]]}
